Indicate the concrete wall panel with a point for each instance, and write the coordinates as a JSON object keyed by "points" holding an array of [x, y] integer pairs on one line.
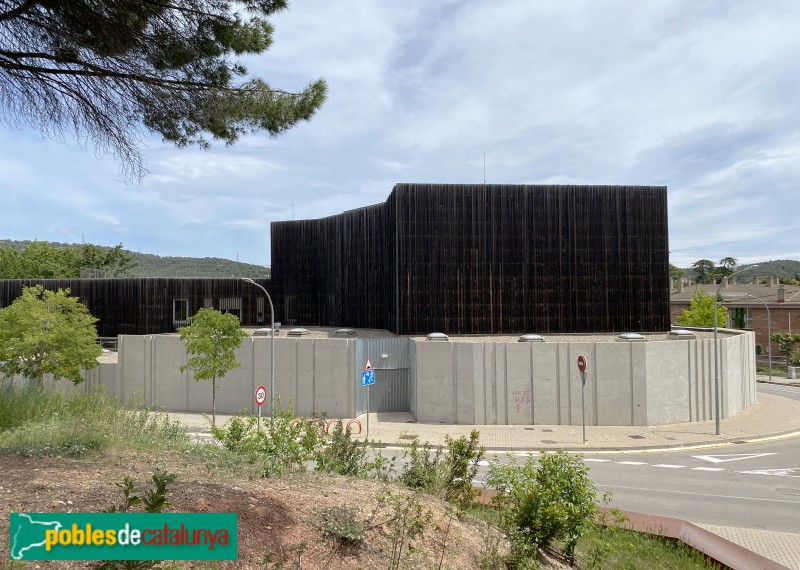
{"points": [[613, 384], [545, 393], [435, 379]]}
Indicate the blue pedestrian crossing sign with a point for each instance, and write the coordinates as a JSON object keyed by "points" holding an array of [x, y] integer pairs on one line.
{"points": [[367, 377]]}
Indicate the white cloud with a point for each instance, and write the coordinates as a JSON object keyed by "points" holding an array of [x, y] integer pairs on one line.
{"points": [[699, 96]]}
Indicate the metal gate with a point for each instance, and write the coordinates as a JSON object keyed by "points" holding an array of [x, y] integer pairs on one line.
{"points": [[393, 388]]}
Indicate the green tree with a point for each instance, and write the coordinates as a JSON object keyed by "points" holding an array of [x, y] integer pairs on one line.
{"points": [[676, 272], [100, 69], [786, 342], [45, 332], [112, 261], [701, 312], [41, 260], [703, 270], [211, 340]]}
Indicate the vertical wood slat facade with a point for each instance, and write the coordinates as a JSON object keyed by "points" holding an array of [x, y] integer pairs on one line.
{"points": [[481, 259], [146, 305]]}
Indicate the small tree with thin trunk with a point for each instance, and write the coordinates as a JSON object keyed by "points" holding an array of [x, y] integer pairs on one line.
{"points": [[786, 342], [47, 332], [211, 339], [701, 312]]}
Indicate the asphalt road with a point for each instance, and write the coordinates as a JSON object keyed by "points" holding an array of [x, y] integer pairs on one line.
{"points": [[748, 485]]}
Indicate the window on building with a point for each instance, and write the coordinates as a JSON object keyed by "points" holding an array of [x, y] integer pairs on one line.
{"points": [[231, 305], [740, 318], [180, 312], [260, 310]]}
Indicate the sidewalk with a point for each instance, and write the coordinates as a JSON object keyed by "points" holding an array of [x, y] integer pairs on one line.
{"points": [[771, 416]]}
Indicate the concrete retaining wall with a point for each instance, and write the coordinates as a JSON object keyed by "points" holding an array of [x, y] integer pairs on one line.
{"points": [[314, 373], [629, 383]]}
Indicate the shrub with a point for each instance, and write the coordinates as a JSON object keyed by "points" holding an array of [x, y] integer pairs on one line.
{"points": [[545, 501], [341, 523], [449, 474], [342, 455], [283, 444], [422, 470]]}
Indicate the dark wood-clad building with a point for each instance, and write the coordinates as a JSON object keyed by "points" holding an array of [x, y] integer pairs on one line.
{"points": [[481, 259], [152, 305]]}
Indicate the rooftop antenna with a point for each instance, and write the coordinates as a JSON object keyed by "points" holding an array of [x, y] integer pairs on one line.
{"points": [[484, 168], [293, 211]]}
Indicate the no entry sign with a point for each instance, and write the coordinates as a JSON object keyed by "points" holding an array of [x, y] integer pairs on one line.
{"points": [[581, 364]]}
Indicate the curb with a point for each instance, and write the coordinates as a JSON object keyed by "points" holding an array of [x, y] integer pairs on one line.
{"points": [[722, 550], [789, 383], [607, 449]]}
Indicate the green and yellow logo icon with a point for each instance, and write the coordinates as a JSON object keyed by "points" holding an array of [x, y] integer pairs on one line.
{"points": [[122, 536]]}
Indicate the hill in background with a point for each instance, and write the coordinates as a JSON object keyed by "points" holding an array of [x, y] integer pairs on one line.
{"points": [[786, 270], [149, 265]]}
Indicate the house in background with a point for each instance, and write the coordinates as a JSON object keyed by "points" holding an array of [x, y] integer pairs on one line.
{"points": [[747, 306]]}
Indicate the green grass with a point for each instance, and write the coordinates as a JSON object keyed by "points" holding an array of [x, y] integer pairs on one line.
{"points": [[41, 422], [777, 370], [622, 549], [628, 549]]}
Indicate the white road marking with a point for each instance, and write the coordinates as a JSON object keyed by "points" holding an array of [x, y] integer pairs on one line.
{"points": [[483, 463], [596, 460], [707, 469], [669, 466], [779, 472], [698, 494], [730, 457], [631, 463]]}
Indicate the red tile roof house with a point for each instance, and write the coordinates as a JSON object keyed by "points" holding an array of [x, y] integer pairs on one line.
{"points": [[746, 306]]}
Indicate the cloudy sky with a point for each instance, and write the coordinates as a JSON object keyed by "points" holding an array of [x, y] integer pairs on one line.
{"points": [[703, 97]]}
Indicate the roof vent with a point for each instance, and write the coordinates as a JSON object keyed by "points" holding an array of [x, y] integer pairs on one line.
{"points": [[298, 332], [681, 334], [630, 337], [531, 338], [438, 336], [346, 332], [265, 331]]}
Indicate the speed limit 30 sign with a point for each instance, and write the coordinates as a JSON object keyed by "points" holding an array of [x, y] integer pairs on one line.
{"points": [[261, 395]]}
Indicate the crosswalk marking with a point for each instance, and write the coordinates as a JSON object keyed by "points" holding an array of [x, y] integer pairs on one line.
{"points": [[707, 469], [596, 460], [631, 463], [669, 466]]}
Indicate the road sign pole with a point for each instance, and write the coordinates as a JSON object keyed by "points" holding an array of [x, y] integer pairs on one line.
{"points": [[261, 397], [582, 370], [367, 437], [583, 406]]}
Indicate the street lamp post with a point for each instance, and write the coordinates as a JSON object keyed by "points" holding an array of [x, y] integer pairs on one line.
{"points": [[272, 349], [716, 350]]}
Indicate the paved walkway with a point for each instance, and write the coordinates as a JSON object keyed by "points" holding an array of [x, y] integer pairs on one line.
{"points": [[771, 416]]}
